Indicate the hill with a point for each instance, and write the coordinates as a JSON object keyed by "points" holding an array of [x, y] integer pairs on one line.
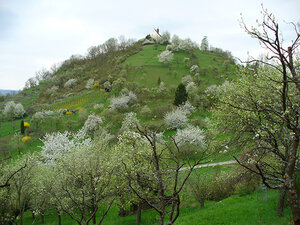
{"points": [[116, 87], [9, 92]]}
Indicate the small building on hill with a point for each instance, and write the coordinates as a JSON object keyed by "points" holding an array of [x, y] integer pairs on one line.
{"points": [[155, 34]]}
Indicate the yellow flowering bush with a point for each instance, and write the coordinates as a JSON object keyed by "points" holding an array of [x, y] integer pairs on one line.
{"points": [[26, 124], [26, 138], [96, 85]]}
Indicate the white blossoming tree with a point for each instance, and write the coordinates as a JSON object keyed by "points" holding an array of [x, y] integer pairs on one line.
{"points": [[123, 101], [70, 83], [13, 110], [83, 179], [90, 83], [165, 57], [130, 121], [92, 124], [57, 144], [176, 118], [194, 69]]}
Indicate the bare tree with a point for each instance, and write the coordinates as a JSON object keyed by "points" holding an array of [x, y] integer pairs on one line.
{"points": [[275, 125]]}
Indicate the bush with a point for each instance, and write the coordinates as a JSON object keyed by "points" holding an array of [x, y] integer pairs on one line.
{"points": [[194, 69], [90, 83], [130, 121], [145, 111], [122, 101], [186, 79], [92, 124], [70, 83]]}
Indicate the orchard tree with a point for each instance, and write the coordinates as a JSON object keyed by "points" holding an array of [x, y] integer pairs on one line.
{"points": [[262, 109], [165, 57], [16, 192], [152, 165], [83, 179]]}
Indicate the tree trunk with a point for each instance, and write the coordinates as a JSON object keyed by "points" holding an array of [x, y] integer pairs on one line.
{"points": [[59, 218], [42, 219], [161, 219], [21, 218], [290, 183], [139, 213], [294, 203], [281, 201], [202, 203], [94, 218]]}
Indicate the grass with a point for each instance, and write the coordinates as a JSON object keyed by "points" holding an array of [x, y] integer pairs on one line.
{"points": [[253, 209]]}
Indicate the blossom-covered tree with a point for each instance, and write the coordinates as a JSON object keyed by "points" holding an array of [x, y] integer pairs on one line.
{"points": [[90, 83], [176, 118], [57, 144], [13, 110], [70, 83], [92, 124], [83, 179], [122, 101], [165, 57], [151, 169]]}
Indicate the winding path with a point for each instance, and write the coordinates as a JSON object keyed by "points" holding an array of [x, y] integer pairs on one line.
{"points": [[210, 164]]}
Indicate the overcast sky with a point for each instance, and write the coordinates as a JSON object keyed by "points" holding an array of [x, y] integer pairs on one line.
{"points": [[35, 34]]}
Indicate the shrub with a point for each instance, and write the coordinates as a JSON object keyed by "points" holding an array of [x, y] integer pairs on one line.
{"points": [[145, 111], [194, 69], [165, 38], [82, 116], [130, 121], [162, 90], [176, 118], [90, 83], [98, 106], [200, 188], [107, 85], [123, 101], [187, 108], [191, 88], [92, 124], [187, 45], [118, 84], [175, 43], [52, 90], [70, 83], [186, 79]]}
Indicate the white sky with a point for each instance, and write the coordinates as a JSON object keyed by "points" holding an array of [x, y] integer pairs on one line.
{"points": [[35, 34]]}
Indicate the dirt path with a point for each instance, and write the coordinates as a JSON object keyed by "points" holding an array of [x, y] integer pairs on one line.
{"points": [[211, 164]]}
